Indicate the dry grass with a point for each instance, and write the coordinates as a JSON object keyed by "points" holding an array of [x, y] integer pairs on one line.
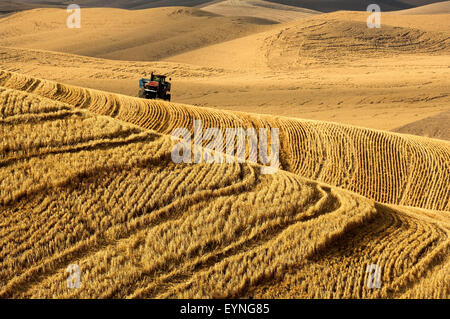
{"points": [[82, 188], [406, 170]]}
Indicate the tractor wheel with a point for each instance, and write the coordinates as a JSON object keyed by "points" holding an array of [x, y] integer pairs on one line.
{"points": [[141, 94], [168, 96]]}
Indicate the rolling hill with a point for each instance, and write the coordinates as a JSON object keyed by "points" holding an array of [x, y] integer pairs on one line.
{"points": [[331, 64], [103, 194], [379, 78], [354, 5], [258, 8], [9, 6], [434, 126], [125, 35], [434, 8], [336, 154], [346, 209], [310, 41]]}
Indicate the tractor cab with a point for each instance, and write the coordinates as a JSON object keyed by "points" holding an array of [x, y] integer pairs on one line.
{"points": [[158, 78], [155, 87]]}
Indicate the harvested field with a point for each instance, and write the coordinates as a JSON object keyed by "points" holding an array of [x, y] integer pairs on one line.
{"points": [[85, 189], [303, 154], [327, 67], [408, 170]]}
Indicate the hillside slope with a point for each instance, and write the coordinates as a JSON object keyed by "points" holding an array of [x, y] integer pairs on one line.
{"points": [[436, 126], [329, 67], [258, 8], [87, 191], [320, 5], [434, 8], [387, 167], [143, 35], [11, 6], [354, 5], [381, 93], [339, 38]]}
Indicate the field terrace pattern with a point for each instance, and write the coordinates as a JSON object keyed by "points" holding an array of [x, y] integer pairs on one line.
{"points": [[407, 170], [82, 188]]}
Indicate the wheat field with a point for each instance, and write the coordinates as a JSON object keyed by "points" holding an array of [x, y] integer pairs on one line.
{"points": [[408, 170], [87, 179], [355, 206], [326, 67]]}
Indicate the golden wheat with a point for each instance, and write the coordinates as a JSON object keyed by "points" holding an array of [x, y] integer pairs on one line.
{"points": [[407, 170], [81, 188]]}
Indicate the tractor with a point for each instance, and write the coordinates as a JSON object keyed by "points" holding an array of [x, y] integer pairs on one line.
{"points": [[156, 87]]}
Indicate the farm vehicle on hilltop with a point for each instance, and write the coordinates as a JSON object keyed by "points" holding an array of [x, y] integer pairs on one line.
{"points": [[155, 87]]}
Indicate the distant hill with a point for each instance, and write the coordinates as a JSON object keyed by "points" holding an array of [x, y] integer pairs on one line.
{"points": [[354, 5], [100, 194], [435, 126], [8, 6], [258, 9], [121, 34], [434, 8]]}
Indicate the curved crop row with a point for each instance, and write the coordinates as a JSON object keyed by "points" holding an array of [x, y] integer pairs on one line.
{"points": [[104, 195], [387, 167]]}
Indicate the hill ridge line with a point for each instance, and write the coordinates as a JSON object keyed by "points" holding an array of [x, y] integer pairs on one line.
{"points": [[340, 155]]}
